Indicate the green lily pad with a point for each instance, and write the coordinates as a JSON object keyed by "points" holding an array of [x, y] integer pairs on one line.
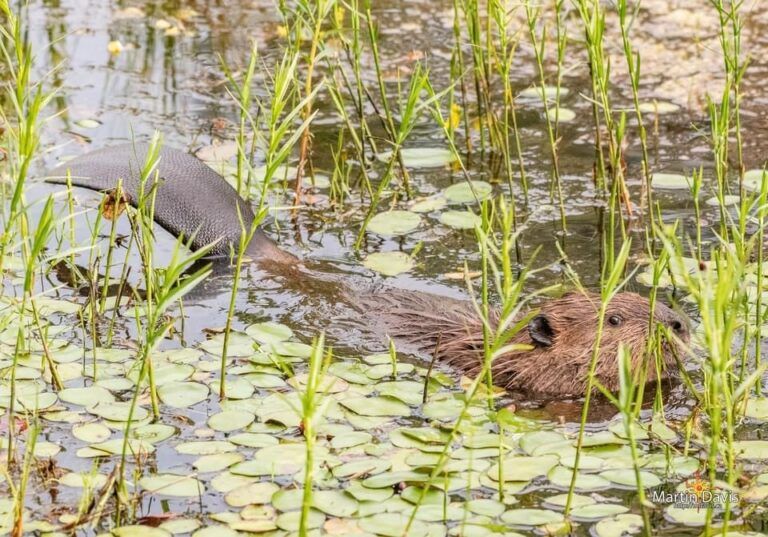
{"points": [[376, 406], [531, 517], [253, 493], [619, 526], [422, 157], [182, 394], [460, 219], [154, 433], [118, 411], [520, 468], [597, 511], [179, 486], [230, 420], [757, 408], [751, 449], [468, 192], [393, 525], [563, 115], [672, 181], [393, 223], [290, 521], [535, 92], [428, 205], [269, 332], [626, 478], [91, 432], [658, 107], [389, 263], [86, 396], [753, 180], [217, 462]]}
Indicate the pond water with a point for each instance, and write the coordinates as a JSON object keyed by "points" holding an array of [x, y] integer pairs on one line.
{"points": [[221, 464]]}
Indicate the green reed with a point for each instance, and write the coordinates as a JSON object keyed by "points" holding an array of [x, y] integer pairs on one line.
{"points": [[410, 108], [533, 16], [610, 286], [592, 16], [632, 59], [311, 410], [500, 324], [241, 92], [311, 14]]}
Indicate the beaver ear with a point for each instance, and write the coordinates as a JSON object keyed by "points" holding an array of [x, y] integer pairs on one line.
{"points": [[540, 330]]}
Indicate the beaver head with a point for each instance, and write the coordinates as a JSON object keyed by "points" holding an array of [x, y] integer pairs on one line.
{"points": [[559, 339], [563, 336]]}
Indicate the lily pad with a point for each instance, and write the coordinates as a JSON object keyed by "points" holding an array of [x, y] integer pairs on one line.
{"points": [[230, 420], [393, 223], [427, 205], [389, 263], [376, 406], [179, 486], [531, 517], [672, 181], [563, 115], [269, 332], [422, 157], [468, 192], [182, 394], [393, 525], [460, 219]]}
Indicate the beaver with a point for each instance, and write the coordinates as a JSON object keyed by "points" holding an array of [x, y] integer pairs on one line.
{"points": [[556, 346], [193, 201]]}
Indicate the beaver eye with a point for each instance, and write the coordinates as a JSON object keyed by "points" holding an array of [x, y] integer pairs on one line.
{"points": [[615, 320]]}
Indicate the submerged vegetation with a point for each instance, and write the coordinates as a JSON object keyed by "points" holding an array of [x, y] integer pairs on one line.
{"points": [[140, 399]]}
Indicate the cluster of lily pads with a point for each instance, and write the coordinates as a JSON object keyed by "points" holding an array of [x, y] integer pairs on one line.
{"points": [[388, 456]]}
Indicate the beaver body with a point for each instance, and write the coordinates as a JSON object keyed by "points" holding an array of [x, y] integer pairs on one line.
{"points": [[194, 202]]}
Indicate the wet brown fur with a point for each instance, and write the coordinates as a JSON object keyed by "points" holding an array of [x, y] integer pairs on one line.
{"points": [[558, 366]]}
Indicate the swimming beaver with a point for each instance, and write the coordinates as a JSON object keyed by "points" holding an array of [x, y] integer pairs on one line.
{"points": [[194, 201], [561, 337]]}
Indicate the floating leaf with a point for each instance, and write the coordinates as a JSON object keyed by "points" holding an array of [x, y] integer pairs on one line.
{"points": [[182, 394], [393, 223], [627, 478], [230, 420], [531, 517], [562, 115], [422, 157], [673, 181], [619, 526], [753, 180], [376, 406], [393, 525], [92, 123], [217, 462], [597, 511], [460, 219], [389, 263], [658, 107], [757, 408], [139, 531], [428, 205], [118, 411], [269, 332], [181, 486], [535, 92], [468, 192], [251, 493], [91, 432], [751, 449]]}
